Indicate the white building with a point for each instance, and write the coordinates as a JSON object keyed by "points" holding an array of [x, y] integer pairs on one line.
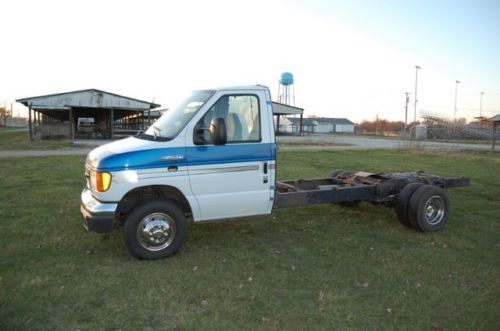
{"points": [[322, 125]]}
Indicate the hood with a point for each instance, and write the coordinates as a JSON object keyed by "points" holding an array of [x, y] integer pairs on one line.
{"points": [[132, 153]]}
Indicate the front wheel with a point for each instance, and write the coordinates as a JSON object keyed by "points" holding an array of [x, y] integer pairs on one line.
{"points": [[155, 229]]}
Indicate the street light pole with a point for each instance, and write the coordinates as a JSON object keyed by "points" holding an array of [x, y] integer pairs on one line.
{"points": [[456, 89], [416, 100], [406, 111], [481, 105]]}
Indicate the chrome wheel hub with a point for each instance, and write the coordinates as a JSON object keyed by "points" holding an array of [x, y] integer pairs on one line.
{"points": [[434, 210], [156, 231]]}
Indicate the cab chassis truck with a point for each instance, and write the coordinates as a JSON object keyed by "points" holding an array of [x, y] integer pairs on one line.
{"points": [[213, 157]]}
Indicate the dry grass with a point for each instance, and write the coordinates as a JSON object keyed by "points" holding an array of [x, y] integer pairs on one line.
{"points": [[321, 267]]}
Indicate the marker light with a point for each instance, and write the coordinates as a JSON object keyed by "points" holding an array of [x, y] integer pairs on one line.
{"points": [[102, 181]]}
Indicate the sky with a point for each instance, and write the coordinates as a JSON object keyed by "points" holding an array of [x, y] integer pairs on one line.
{"points": [[353, 59]]}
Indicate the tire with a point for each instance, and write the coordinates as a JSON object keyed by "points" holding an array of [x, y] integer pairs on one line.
{"points": [[429, 208], [155, 229], [403, 201]]}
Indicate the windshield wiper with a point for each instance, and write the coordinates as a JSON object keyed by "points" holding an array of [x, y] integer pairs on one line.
{"points": [[153, 137], [156, 130]]}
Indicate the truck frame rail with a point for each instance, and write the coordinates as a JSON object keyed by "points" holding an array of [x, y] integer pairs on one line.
{"points": [[347, 186]]}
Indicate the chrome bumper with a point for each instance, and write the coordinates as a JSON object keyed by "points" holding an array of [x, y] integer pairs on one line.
{"points": [[97, 216]]}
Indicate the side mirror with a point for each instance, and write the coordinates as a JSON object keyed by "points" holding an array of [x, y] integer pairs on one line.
{"points": [[201, 134], [218, 131]]}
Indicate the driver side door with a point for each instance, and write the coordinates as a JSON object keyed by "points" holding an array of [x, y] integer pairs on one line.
{"points": [[232, 180]]}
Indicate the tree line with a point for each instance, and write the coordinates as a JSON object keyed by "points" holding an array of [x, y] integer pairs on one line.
{"points": [[379, 126]]}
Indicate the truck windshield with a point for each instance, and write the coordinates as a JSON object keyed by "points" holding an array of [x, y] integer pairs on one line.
{"points": [[176, 118]]}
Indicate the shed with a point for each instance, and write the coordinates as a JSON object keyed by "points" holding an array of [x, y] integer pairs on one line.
{"points": [[495, 121], [327, 125], [282, 109], [307, 125], [87, 113]]}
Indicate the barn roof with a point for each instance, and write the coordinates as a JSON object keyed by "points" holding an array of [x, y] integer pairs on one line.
{"points": [[329, 120], [305, 121], [322, 120], [90, 98], [282, 109], [495, 118]]}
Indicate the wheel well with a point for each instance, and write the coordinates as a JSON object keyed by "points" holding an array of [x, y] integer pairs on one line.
{"points": [[140, 194]]}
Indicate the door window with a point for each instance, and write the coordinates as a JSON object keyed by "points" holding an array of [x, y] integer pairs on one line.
{"points": [[241, 114]]}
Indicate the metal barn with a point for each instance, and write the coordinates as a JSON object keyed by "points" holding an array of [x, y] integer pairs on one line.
{"points": [[287, 110], [86, 114]]}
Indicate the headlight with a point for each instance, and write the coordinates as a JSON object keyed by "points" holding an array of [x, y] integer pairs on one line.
{"points": [[100, 180]]}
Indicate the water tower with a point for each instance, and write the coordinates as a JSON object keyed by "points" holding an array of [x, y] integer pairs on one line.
{"points": [[286, 89]]}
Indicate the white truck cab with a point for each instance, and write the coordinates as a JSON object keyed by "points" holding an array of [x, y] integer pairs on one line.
{"points": [[211, 157]]}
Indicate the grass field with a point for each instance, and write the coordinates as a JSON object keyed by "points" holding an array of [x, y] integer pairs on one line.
{"points": [[17, 139], [321, 267]]}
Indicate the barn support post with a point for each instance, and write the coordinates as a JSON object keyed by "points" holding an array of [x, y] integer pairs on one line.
{"points": [[493, 138], [277, 122], [71, 130], [30, 127], [301, 124], [142, 121], [111, 122]]}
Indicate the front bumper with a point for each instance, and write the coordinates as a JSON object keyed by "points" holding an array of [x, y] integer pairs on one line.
{"points": [[97, 216]]}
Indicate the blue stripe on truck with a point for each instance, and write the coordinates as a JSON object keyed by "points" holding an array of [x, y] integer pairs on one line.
{"points": [[198, 155]]}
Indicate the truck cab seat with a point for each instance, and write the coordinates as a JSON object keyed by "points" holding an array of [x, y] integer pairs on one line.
{"points": [[234, 127]]}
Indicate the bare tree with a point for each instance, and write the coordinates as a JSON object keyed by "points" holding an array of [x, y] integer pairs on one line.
{"points": [[4, 114]]}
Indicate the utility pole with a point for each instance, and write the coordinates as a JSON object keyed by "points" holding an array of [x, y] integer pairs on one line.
{"points": [[481, 105], [406, 112], [416, 100], [456, 89]]}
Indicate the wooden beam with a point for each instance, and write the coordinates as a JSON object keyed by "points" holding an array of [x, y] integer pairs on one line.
{"points": [[111, 120], [30, 127], [301, 124], [71, 130], [493, 138]]}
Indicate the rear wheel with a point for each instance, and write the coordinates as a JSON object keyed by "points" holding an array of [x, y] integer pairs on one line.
{"points": [[429, 208], [403, 201], [155, 229]]}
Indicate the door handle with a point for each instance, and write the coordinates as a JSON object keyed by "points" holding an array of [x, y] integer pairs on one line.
{"points": [[265, 168], [170, 158]]}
